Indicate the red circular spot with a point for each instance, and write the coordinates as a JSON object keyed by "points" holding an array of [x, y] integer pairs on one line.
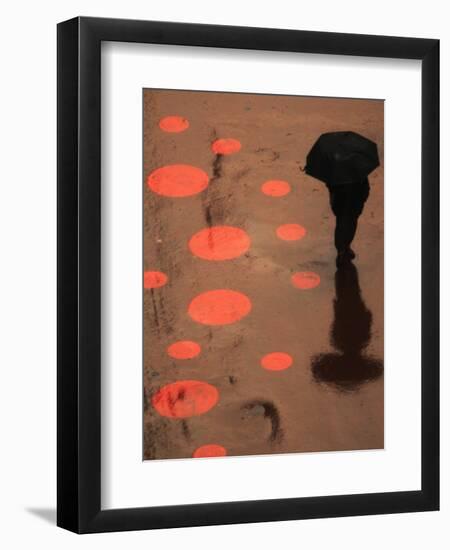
{"points": [[154, 279], [291, 232], [173, 124], [219, 307], [185, 398], [221, 242], [226, 146], [275, 188], [184, 349], [209, 450], [178, 180], [276, 361], [305, 280]]}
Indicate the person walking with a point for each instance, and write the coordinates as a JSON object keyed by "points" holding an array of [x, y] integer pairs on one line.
{"points": [[343, 160]]}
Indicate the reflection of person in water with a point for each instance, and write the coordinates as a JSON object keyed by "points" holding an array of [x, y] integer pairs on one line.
{"points": [[347, 203], [350, 335]]}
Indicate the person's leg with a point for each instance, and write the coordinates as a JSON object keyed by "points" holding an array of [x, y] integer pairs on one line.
{"points": [[345, 230], [356, 198], [347, 203], [339, 203]]}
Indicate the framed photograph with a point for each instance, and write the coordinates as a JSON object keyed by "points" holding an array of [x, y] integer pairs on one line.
{"points": [[248, 288]]}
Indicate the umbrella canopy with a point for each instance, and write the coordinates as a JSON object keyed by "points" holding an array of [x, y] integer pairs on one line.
{"points": [[342, 157]]}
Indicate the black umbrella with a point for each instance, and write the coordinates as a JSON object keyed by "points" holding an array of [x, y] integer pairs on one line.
{"points": [[342, 157]]}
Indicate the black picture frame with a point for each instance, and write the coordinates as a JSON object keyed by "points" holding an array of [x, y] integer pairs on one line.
{"points": [[79, 281]]}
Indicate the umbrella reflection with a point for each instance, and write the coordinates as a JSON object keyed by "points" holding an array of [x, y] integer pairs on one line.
{"points": [[350, 335]]}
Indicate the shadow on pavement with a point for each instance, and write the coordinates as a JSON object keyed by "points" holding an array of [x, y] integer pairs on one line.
{"points": [[350, 335]]}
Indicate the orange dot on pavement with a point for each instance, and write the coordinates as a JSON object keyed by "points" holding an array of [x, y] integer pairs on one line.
{"points": [[226, 146], [276, 361], [291, 232], [173, 124], [305, 280], [154, 279], [219, 307], [209, 450], [178, 180], [185, 398], [184, 349], [275, 188], [220, 242]]}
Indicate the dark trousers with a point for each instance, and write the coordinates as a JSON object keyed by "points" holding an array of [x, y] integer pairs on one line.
{"points": [[347, 203]]}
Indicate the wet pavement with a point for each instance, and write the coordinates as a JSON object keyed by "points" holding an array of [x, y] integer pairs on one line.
{"points": [[253, 342]]}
